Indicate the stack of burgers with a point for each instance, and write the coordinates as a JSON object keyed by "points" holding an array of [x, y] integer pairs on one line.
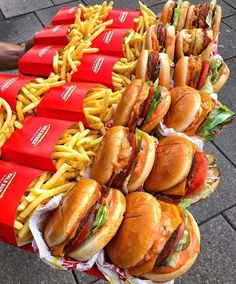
{"points": [[134, 204]]}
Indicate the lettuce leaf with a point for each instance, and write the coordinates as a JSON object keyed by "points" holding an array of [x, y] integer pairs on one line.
{"points": [[138, 135], [156, 99], [207, 87], [214, 73], [177, 13], [211, 13], [218, 118], [174, 257], [204, 193], [100, 218], [215, 64]]}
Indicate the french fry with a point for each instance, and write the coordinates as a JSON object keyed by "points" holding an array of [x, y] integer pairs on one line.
{"points": [[132, 45], [99, 107], [98, 11], [30, 95], [8, 122], [146, 19]]}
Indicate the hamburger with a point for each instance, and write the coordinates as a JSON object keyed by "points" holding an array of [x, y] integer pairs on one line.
{"points": [[175, 13], [203, 16], [181, 172], [85, 221], [196, 113], [123, 159], [153, 66], [142, 105], [158, 241], [161, 38], [193, 42], [201, 72]]}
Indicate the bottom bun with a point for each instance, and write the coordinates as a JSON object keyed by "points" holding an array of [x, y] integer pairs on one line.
{"points": [[100, 239], [183, 269]]}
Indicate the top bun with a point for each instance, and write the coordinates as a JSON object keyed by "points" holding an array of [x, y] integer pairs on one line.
{"points": [[184, 108], [137, 233], [173, 161], [127, 102], [107, 154], [182, 17], [64, 222], [167, 12]]}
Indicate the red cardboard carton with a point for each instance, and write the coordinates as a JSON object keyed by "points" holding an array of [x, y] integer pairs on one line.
{"points": [[14, 180], [110, 42], [56, 35], [96, 68], [65, 102], [33, 145], [10, 85], [38, 60]]}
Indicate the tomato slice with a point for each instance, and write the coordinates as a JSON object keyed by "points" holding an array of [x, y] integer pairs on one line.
{"points": [[147, 102], [198, 172], [204, 74]]}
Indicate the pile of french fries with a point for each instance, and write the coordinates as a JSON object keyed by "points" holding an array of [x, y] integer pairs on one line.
{"points": [[8, 121], [30, 95]]}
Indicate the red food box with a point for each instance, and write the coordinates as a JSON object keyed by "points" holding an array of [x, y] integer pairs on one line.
{"points": [[110, 42], [14, 180], [96, 68], [38, 60], [122, 18], [56, 35], [33, 144], [10, 85], [65, 102], [65, 16]]}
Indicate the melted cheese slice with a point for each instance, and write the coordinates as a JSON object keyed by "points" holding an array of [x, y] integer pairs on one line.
{"points": [[178, 189]]}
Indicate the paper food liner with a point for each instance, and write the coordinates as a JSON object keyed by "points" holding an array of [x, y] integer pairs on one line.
{"points": [[165, 131], [116, 275], [36, 223]]}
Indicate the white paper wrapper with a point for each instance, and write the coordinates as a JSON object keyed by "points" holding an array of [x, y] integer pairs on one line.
{"points": [[165, 131], [35, 223], [116, 275]]}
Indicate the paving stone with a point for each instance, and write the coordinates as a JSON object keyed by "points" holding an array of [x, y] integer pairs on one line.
{"points": [[227, 41], [152, 2], [56, 2], [226, 140], [46, 15], [224, 196], [231, 2], [157, 8], [226, 95], [83, 277], [14, 71], [1, 16], [231, 216], [216, 262], [18, 266], [19, 29], [101, 282], [230, 21], [18, 7]]}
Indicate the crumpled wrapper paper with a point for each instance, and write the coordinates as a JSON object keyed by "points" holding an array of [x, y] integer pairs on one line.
{"points": [[165, 131], [36, 223], [116, 275]]}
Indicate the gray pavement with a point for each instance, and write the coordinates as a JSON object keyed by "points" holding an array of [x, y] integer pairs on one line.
{"points": [[19, 20]]}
